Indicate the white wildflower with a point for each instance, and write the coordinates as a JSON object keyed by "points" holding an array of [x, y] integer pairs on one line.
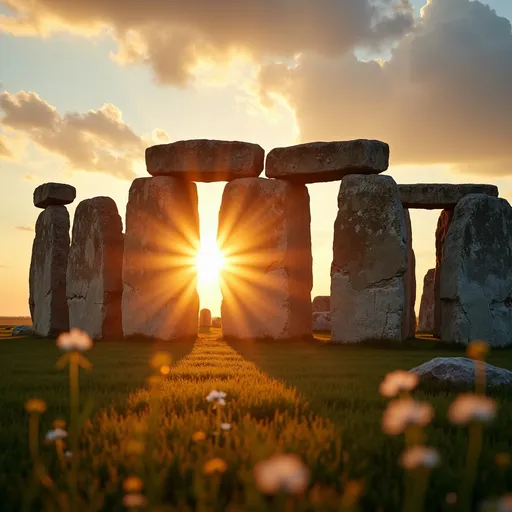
{"points": [[136, 500], [58, 433], [217, 397], [420, 457], [397, 382], [404, 412], [282, 473], [74, 340], [469, 408], [225, 426]]}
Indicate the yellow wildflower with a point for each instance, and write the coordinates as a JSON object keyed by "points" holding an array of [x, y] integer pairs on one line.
{"points": [[198, 436], [35, 405], [215, 466], [478, 350], [132, 484]]}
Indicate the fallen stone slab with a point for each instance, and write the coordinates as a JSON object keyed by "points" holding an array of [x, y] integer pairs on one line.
{"points": [[205, 160], [22, 330], [316, 162], [460, 371], [426, 320], [321, 303], [57, 194], [431, 196]]}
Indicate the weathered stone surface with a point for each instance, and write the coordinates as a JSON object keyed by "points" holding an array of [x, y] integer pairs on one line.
{"points": [[22, 330], [206, 160], [159, 276], [94, 275], [216, 322], [205, 318], [316, 162], [57, 194], [264, 229], [476, 279], [321, 303], [440, 195], [409, 283], [369, 261], [426, 321], [460, 371], [47, 280], [322, 321], [443, 224]]}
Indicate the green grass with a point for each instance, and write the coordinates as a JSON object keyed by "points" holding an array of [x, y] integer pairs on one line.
{"points": [[315, 399]]}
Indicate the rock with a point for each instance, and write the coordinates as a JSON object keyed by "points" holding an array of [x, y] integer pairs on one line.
{"points": [[216, 322], [460, 371], [159, 276], [56, 194], [426, 323], [205, 318], [409, 283], [321, 303], [94, 275], [22, 330], [322, 321], [47, 280], [440, 195], [206, 160], [443, 224], [369, 261], [476, 284], [264, 227], [316, 162]]}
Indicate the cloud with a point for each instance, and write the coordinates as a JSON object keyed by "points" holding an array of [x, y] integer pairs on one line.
{"points": [[444, 97], [171, 36], [94, 141], [4, 150], [24, 228]]}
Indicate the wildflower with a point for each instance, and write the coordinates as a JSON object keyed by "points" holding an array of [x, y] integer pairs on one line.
{"points": [[59, 424], [132, 484], [134, 447], [397, 382], [217, 397], [74, 340], [134, 500], [478, 350], [420, 457], [472, 408], [282, 473], [198, 436], [35, 405], [226, 426], [215, 466], [504, 504], [58, 433], [404, 412], [160, 360], [502, 459], [165, 370]]}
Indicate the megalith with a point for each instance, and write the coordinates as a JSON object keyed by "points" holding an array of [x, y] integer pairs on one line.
{"points": [[476, 279], [47, 277], [159, 274], [368, 300], [426, 320], [57, 194], [94, 274], [321, 303], [264, 234], [205, 318], [409, 282]]}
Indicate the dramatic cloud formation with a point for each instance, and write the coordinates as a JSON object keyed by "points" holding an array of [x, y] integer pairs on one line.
{"points": [[443, 97], [96, 141]]}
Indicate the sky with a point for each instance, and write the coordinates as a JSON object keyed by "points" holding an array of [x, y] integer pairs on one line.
{"points": [[86, 85]]}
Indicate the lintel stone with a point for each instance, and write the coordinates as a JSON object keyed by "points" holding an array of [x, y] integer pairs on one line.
{"points": [[54, 194]]}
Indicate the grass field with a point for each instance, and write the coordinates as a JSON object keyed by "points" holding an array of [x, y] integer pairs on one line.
{"points": [[314, 399]]}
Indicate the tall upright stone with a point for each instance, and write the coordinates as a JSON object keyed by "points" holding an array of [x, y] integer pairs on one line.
{"points": [[368, 300], [426, 320], [94, 274], [264, 232], [205, 318], [47, 279], [476, 279], [443, 224], [410, 282], [159, 275]]}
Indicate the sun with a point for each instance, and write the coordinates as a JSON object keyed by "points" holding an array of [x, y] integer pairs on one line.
{"points": [[209, 261]]}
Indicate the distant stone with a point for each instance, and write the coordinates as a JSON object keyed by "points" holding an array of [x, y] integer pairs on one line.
{"points": [[476, 284], [205, 160], [321, 303], [216, 322], [409, 283], [47, 278], [316, 162], [205, 318], [22, 330], [440, 195], [368, 299], [94, 275], [426, 320], [460, 371], [57, 194], [322, 321]]}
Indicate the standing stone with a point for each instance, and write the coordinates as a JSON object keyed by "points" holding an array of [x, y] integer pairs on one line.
{"points": [[476, 285], [322, 321], [426, 323], [264, 231], [159, 274], [410, 283], [94, 276], [205, 318], [321, 303], [47, 280], [443, 224], [54, 194], [368, 299]]}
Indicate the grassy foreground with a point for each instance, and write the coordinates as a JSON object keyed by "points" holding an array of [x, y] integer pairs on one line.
{"points": [[318, 401]]}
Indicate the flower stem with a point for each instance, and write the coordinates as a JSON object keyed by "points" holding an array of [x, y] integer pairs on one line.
{"points": [[73, 427], [473, 454]]}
